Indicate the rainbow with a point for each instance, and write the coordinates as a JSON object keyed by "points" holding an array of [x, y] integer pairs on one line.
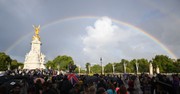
{"points": [[95, 17]]}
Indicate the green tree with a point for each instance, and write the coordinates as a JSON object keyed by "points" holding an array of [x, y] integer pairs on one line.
{"points": [[118, 68], [132, 65], [177, 66], [83, 71], [51, 65], [76, 70], [5, 61], [164, 63], [62, 62], [96, 68], [143, 65], [127, 64], [20, 65], [108, 68], [14, 64]]}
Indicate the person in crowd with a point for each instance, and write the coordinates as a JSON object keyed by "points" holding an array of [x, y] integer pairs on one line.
{"points": [[122, 90], [101, 90], [101, 83], [111, 89], [49, 82], [38, 87], [131, 85], [92, 90], [49, 89], [16, 89], [176, 84], [66, 86]]}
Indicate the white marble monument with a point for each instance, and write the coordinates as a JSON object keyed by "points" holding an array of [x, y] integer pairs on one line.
{"points": [[35, 59]]}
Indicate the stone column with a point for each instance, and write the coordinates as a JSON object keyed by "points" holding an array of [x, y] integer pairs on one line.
{"points": [[150, 69], [8, 66], [49, 67], [89, 67], [102, 69], [79, 69], [59, 67], [124, 67], [113, 68], [137, 67], [19, 67], [157, 70]]}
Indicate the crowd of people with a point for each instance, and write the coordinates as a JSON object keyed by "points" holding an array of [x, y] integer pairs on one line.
{"points": [[52, 82], [160, 84]]}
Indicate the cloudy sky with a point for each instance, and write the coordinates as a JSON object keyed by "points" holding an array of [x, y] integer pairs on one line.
{"points": [[90, 29]]}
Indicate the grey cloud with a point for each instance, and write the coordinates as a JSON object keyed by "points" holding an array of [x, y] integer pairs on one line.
{"points": [[160, 19]]}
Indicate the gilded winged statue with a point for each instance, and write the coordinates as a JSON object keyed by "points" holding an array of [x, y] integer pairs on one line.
{"points": [[36, 28]]}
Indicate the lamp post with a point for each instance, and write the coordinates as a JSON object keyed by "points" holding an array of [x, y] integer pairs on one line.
{"points": [[101, 65]]}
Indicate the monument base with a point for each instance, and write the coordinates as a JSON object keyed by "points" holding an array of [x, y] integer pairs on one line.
{"points": [[33, 66]]}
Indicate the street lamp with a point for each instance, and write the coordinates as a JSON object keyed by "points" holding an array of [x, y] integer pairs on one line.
{"points": [[101, 65]]}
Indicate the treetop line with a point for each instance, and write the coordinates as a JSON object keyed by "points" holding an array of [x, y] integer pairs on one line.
{"points": [[164, 63]]}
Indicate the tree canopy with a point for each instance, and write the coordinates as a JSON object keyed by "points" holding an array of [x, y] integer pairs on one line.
{"points": [[163, 62], [60, 62], [6, 62]]}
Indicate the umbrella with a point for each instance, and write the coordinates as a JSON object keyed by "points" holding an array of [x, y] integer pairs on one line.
{"points": [[9, 85], [6, 78], [41, 79]]}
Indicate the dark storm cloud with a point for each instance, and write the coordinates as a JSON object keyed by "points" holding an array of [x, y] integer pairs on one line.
{"points": [[161, 19]]}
